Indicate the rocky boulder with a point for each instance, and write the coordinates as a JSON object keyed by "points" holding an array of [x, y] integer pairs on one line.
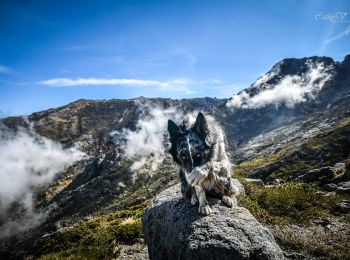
{"points": [[173, 229], [258, 182], [329, 187], [324, 173], [343, 188], [342, 207]]}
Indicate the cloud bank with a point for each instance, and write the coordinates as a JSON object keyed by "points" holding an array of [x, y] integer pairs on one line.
{"points": [[290, 90], [146, 146], [28, 161], [178, 85]]}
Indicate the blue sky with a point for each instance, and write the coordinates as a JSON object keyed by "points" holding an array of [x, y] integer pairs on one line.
{"points": [[54, 52]]}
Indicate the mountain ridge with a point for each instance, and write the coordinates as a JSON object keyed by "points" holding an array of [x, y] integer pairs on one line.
{"points": [[106, 176]]}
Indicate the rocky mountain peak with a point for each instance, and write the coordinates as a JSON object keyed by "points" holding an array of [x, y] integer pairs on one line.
{"points": [[289, 83], [346, 61], [293, 66]]}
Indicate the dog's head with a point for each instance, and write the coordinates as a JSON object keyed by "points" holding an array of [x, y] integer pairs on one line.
{"points": [[188, 146]]}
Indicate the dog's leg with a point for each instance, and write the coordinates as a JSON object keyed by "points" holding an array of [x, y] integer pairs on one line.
{"points": [[221, 168], [186, 189], [228, 190], [198, 174], [204, 207], [194, 198]]}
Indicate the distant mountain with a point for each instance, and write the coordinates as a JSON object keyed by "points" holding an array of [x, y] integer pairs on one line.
{"points": [[291, 90], [296, 95]]}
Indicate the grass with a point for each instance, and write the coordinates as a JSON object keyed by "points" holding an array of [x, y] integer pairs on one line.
{"points": [[244, 168], [287, 210], [315, 242], [102, 237], [97, 238], [290, 203]]}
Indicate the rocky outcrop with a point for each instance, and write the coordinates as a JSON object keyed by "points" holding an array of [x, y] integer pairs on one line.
{"points": [[343, 188], [338, 183], [317, 175], [329, 187], [342, 207], [258, 182], [173, 229]]}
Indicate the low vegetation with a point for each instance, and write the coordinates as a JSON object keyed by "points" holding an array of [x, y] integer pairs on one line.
{"points": [[328, 147], [314, 242], [97, 238], [289, 203], [291, 211]]}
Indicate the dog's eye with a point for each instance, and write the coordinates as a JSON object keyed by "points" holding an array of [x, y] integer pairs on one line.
{"points": [[198, 155]]}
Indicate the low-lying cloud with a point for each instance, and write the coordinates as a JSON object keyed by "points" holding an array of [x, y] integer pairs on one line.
{"points": [[28, 161], [290, 90], [146, 145]]}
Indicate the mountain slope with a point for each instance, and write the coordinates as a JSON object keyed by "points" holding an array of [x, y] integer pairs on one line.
{"points": [[268, 134]]}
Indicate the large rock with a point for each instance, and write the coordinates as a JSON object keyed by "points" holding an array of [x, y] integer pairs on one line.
{"points": [[330, 187], [324, 173], [343, 188], [258, 182], [342, 207], [173, 229]]}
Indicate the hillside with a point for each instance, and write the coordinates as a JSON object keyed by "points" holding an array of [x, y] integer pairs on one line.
{"points": [[293, 119]]}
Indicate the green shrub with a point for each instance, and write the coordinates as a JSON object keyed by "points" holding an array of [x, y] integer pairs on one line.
{"points": [[96, 238], [287, 203]]}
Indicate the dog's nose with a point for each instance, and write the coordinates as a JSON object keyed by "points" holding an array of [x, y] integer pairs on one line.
{"points": [[183, 155]]}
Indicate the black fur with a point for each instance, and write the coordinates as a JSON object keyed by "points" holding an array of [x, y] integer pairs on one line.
{"points": [[189, 148]]}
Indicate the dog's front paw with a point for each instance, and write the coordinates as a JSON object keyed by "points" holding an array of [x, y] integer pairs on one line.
{"points": [[204, 210], [229, 201], [194, 199]]}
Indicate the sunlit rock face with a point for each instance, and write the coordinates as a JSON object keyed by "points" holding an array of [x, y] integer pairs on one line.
{"points": [[174, 229]]}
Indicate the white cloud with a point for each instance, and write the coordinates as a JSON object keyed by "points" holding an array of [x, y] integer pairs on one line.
{"points": [[146, 145], [290, 90], [5, 69], [177, 85], [28, 161], [338, 36], [101, 81]]}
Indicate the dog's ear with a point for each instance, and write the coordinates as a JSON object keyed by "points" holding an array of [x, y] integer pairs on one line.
{"points": [[174, 130], [201, 126]]}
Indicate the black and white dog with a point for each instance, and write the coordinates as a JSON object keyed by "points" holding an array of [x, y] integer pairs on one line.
{"points": [[200, 152]]}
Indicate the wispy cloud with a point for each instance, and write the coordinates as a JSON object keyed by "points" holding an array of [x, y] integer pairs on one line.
{"points": [[178, 85], [5, 70], [102, 81], [338, 36]]}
